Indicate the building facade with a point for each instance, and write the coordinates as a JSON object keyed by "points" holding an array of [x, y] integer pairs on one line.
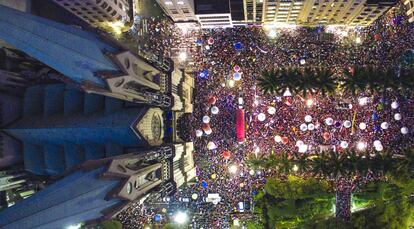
{"points": [[97, 11], [409, 4], [314, 12], [213, 14], [229, 13], [179, 10]]}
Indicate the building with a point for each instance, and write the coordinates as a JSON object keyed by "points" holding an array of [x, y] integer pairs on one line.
{"points": [[213, 13], [229, 13], [409, 4], [95, 191], [95, 12], [313, 12], [92, 62], [92, 120], [179, 10]]}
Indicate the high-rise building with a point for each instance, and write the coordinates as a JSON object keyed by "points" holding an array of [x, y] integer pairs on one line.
{"points": [[179, 10], [213, 13], [313, 12], [97, 11], [409, 4], [228, 13]]}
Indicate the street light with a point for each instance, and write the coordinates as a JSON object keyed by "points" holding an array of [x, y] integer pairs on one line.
{"points": [[180, 217], [361, 146], [182, 56]]}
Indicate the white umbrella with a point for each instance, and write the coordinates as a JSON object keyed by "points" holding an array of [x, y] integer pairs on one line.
{"points": [[308, 118], [208, 132], [329, 121], [404, 130], [271, 110], [344, 144], [211, 145], [385, 125], [214, 110], [303, 127], [311, 126], [397, 116], [347, 124], [261, 117], [206, 119], [278, 138], [299, 143], [394, 105], [199, 133], [362, 126]]}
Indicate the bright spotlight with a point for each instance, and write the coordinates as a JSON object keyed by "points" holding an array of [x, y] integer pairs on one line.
{"points": [[272, 33], [75, 226], [309, 102], [180, 217], [363, 101], [182, 56], [361, 146], [233, 169]]}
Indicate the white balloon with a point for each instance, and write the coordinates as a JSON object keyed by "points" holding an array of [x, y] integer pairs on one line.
{"points": [[199, 133], [278, 138], [394, 105], [379, 148], [344, 144], [206, 119], [299, 143], [404, 130], [362, 126], [303, 127], [347, 124], [397, 116], [214, 110], [208, 132], [377, 143], [308, 118], [385, 125], [329, 121], [211, 145], [311, 126], [271, 110]]}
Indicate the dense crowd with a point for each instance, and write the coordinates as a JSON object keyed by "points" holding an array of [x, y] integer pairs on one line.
{"points": [[213, 53]]}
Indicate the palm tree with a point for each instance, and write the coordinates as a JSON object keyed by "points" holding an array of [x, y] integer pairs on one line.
{"points": [[305, 83], [267, 82], [326, 81], [354, 82], [256, 162]]}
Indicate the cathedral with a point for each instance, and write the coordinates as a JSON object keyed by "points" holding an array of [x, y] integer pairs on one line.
{"points": [[87, 126]]}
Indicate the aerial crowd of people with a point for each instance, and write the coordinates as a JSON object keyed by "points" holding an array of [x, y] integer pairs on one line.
{"points": [[383, 122]]}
